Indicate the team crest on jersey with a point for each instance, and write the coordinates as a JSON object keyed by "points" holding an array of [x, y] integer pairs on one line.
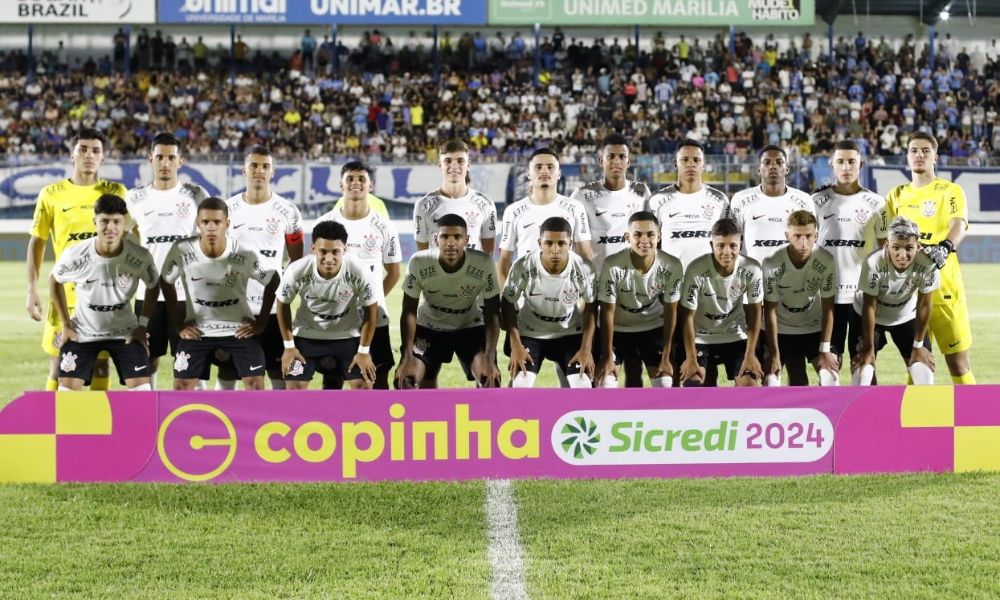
{"points": [[345, 295], [467, 291], [471, 218], [812, 285], [370, 242], [273, 225], [231, 278], [736, 290], [183, 209], [124, 281], [861, 216], [707, 210], [929, 208], [68, 362], [181, 361], [570, 295]]}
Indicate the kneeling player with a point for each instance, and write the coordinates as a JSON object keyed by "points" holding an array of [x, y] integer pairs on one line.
{"points": [[718, 330], [214, 271], [894, 297], [452, 280], [800, 286], [107, 270], [335, 322], [550, 324]]}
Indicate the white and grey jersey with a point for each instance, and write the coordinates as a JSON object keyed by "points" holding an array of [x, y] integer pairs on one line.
{"points": [[374, 241], [523, 219], [163, 217], [686, 220], [475, 207], [639, 297], [895, 293], [551, 303], [264, 227], [330, 309], [717, 300], [608, 213], [451, 301], [799, 292], [105, 287], [850, 227], [216, 287], [763, 219]]}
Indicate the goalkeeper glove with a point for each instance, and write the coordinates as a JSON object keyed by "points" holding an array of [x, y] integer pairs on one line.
{"points": [[939, 252]]}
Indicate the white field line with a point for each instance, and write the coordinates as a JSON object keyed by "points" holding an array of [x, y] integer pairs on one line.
{"points": [[506, 556]]}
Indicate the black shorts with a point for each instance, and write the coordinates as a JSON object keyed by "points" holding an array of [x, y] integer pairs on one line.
{"points": [[161, 330], [729, 354], [843, 330], [644, 345], [271, 343], [76, 359], [382, 350], [330, 357], [434, 348], [194, 356], [799, 344], [902, 336], [559, 350]]}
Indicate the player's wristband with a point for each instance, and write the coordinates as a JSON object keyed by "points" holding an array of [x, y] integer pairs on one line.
{"points": [[918, 343], [825, 347], [288, 344], [143, 321], [364, 349], [946, 243]]}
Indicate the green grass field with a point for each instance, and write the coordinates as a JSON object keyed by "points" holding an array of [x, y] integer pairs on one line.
{"points": [[907, 536]]}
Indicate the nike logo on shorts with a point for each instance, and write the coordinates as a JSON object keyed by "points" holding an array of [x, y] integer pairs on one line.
{"points": [[255, 368], [139, 368]]}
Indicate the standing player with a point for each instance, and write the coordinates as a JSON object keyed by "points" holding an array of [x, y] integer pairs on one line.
{"points": [[271, 225], [164, 211], [550, 325], [717, 329], [106, 270], [852, 223], [453, 282], [799, 290], [938, 208], [214, 271], [455, 197], [64, 212], [373, 240], [638, 289], [895, 297], [522, 219], [335, 322]]}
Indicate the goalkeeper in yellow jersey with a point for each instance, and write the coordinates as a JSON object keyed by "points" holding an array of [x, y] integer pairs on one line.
{"points": [[65, 213], [939, 209]]}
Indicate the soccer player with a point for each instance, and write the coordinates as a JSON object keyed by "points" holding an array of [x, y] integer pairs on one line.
{"points": [[761, 211], [638, 289], [895, 297], [106, 271], [552, 282], [453, 282], [335, 321], [64, 212], [939, 209], [717, 329], [522, 219], [272, 225], [852, 223], [214, 271], [164, 211], [455, 197], [373, 240], [799, 290]]}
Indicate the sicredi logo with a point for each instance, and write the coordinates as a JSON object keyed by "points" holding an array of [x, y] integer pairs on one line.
{"points": [[692, 436]]}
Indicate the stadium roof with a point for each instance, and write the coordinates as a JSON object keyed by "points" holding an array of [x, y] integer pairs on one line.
{"points": [[830, 10]]}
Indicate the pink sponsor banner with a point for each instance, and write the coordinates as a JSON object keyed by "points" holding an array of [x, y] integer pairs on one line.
{"points": [[473, 434]]}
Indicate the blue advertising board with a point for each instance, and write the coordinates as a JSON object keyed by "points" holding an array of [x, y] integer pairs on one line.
{"points": [[318, 12]]}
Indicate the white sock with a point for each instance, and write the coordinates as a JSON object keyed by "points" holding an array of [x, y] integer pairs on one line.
{"points": [[772, 380], [661, 382], [579, 380], [863, 376], [201, 385], [145, 387], [828, 378], [225, 384], [63, 388], [524, 379], [609, 381], [921, 374]]}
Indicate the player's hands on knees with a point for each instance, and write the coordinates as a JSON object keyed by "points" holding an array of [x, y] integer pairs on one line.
{"points": [[251, 329], [774, 364], [665, 369], [865, 356], [189, 331], [485, 371], [585, 360], [829, 361], [406, 374], [288, 359], [140, 335], [923, 355], [690, 369], [606, 367], [751, 366], [520, 358], [364, 364], [34, 306]]}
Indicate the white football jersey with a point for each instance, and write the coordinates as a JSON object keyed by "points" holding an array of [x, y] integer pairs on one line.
{"points": [[523, 219], [763, 219], [374, 241], [263, 227], [216, 287], [551, 303], [718, 301], [895, 292], [475, 207], [798, 292], [850, 228], [686, 220], [608, 213], [163, 217], [639, 297], [451, 301], [331, 309], [105, 287]]}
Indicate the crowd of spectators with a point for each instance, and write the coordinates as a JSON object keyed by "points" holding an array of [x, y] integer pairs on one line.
{"points": [[396, 101]]}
